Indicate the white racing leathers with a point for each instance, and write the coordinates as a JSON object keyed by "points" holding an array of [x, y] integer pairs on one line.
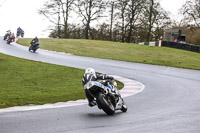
{"points": [[107, 96]]}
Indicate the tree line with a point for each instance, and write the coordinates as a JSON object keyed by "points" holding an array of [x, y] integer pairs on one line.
{"points": [[115, 20], [190, 23]]}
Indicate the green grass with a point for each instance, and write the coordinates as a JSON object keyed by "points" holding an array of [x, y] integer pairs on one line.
{"points": [[123, 52], [24, 82]]}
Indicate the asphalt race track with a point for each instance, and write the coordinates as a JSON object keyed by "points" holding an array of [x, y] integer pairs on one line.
{"points": [[170, 102]]}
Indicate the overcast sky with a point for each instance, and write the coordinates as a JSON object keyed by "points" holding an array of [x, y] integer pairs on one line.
{"points": [[24, 14]]}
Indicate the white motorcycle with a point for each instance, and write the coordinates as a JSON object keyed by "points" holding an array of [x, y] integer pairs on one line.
{"points": [[107, 96]]}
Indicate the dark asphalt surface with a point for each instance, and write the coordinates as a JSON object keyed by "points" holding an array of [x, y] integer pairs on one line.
{"points": [[170, 102]]}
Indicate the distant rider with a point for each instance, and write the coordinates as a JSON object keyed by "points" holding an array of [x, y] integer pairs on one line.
{"points": [[20, 32], [35, 40], [12, 36], [90, 75], [8, 33]]}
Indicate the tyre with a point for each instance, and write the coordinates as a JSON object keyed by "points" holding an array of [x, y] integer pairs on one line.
{"points": [[105, 104], [34, 49], [8, 42]]}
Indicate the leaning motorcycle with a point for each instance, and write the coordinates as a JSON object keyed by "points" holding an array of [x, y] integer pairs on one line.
{"points": [[34, 47], [20, 33], [107, 96], [10, 39]]}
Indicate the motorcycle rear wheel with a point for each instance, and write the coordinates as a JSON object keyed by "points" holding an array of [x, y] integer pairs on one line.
{"points": [[105, 104], [8, 42]]}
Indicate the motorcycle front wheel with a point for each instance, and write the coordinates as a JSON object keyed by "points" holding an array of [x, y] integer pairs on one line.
{"points": [[105, 104]]}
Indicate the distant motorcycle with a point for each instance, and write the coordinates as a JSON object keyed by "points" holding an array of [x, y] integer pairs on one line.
{"points": [[107, 96], [34, 47], [10, 38], [20, 32]]}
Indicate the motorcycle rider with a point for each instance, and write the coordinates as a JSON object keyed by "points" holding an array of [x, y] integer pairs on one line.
{"points": [[20, 32], [12, 36], [90, 75], [35, 40], [8, 33]]}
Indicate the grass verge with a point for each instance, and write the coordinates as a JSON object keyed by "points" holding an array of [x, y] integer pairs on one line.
{"points": [[122, 51], [24, 82]]}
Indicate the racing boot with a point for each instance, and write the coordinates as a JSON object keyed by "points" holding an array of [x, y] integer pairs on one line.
{"points": [[92, 103]]}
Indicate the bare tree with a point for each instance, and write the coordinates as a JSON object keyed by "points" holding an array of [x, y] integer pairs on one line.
{"points": [[121, 6], [51, 11], [56, 11], [90, 10], [149, 17], [162, 22], [67, 7], [133, 10], [59, 6], [112, 5], [152, 13], [191, 12]]}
